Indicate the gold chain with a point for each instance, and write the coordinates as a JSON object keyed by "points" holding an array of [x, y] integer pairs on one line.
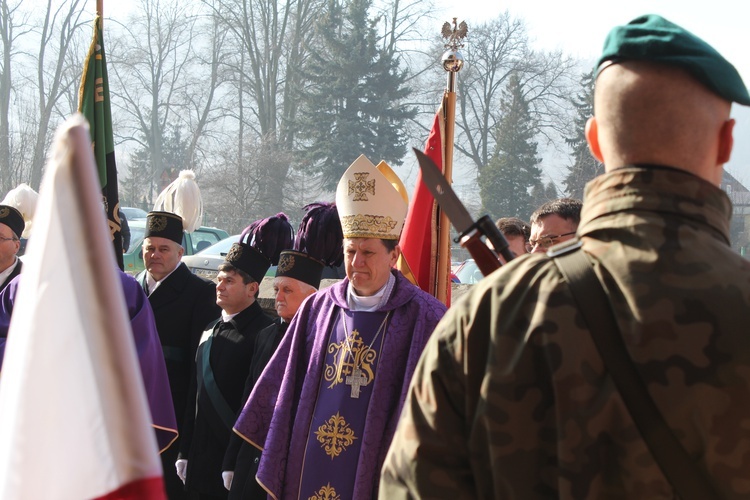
{"points": [[369, 347]]}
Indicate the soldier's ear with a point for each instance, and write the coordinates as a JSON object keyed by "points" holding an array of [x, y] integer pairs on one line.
{"points": [[726, 142], [592, 137]]}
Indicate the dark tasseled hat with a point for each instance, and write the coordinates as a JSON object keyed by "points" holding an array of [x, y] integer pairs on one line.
{"points": [[318, 244], [260, 245], [12, 218]]}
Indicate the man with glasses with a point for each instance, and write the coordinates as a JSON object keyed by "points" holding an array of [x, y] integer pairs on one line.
{"points": [[11, 227], [516, 233], [554, 222]]}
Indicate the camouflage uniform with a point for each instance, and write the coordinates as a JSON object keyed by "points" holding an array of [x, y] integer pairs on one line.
{"points": [[511, 399]]}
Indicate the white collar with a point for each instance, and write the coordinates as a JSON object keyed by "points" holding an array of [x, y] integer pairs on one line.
{"points": [[4, 275], [372, 302], [153, 284], [227, 317]]}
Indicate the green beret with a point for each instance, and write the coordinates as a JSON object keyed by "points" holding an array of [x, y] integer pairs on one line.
{"points": [[652, 38]]}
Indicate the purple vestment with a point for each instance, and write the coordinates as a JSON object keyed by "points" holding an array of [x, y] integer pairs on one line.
{"points": [[278, 413], [147, 346]]}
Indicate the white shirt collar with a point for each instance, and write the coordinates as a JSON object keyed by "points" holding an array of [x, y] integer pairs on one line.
{"points": [[227, 317], [153, 284], [372, 302], [4, 275]]}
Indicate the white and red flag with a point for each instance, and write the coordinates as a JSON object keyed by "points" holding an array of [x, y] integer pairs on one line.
{"points": [[74, 419]]}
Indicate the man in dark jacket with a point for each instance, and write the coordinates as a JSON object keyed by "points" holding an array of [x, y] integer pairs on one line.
{"points": [[241, 459], [183, 305], [224, 355], [318, 246], [11, 227]]}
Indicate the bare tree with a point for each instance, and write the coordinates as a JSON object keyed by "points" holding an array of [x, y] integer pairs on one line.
{"points": [[201, 92], [59, 29], [495, 51], [151, 60], [242, 202], [274, 37], [13, 26]]}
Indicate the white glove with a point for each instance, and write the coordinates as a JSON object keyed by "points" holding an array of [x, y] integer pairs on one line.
{"points": [[227, 476], [181, 466]]}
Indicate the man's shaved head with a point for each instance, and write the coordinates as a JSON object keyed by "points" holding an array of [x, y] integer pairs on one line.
{"points": [[658, 114]]}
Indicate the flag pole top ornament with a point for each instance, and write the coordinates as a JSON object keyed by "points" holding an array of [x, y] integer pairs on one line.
{"points": [[454, 37]]}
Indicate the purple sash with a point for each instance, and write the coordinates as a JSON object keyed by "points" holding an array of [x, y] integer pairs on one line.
{"points": [[334, 438]]}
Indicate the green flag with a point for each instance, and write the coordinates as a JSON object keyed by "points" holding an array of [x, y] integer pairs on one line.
{"points": [[94, 104]]}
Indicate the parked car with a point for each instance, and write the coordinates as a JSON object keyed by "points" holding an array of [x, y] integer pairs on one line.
{"points": [[206, 262], [132, 213], [194, 242]]}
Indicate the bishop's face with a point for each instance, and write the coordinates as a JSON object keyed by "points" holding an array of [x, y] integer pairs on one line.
{"points": [[368, 263]]}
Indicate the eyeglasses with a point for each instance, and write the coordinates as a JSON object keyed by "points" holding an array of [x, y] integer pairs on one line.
{"points": [[3, 238], [545, 241]]}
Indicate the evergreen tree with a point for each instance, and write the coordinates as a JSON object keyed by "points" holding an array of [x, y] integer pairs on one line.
{"points": [[584, 167], [505, 182], [142, 186], [355, 106], [541, 194]]}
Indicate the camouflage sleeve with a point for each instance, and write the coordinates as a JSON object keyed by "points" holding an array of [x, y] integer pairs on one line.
{"points": [[428, 457]]}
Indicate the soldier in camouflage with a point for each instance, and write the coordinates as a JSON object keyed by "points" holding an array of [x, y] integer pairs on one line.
{"points": [[511, 398]]}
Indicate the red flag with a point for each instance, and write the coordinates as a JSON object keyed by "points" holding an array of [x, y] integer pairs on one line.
{"points": [[419, 239]]}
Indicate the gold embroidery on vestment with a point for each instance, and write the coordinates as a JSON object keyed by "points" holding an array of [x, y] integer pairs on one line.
{"points": [[327, 492], [362, 357], [335, 435]]}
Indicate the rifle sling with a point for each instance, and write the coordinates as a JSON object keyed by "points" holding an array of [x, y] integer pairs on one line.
{"points": [[688, 479]]}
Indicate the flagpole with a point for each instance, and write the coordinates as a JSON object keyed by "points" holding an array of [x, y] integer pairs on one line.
{"points": [[452, 64]]}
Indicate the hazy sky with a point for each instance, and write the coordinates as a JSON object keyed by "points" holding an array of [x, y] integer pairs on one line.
{"points": [[578, 27]]}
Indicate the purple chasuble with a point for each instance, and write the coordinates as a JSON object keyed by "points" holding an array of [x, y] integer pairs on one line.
{"points": [[334, 439], [147, 345], [277, 417]]}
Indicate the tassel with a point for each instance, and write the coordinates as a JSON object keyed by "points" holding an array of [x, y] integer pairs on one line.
{"points": [[183, 197], [269, 236], [319, 234], [23, 199]]}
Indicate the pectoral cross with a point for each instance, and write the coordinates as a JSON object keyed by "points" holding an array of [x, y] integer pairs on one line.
{"points": [[356, 380]]}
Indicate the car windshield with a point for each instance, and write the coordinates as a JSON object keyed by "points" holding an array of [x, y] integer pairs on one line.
{"points": [[132, 213], [221, 248], [469, 272], [136, 237]]}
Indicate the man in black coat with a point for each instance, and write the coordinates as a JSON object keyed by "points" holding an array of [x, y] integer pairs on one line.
{"points": [[222, 365], [183, 305], [317, 248], [241, 459], [11, 228]]}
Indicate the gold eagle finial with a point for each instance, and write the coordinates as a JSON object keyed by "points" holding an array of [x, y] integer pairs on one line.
{"points": [[454, 35]]}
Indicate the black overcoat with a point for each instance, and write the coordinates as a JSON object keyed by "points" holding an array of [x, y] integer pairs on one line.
{"points": [[242, 457], [183, 305], [206, 437]]}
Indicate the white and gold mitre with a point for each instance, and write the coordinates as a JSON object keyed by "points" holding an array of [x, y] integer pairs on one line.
{"points": [[372, 201]]}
